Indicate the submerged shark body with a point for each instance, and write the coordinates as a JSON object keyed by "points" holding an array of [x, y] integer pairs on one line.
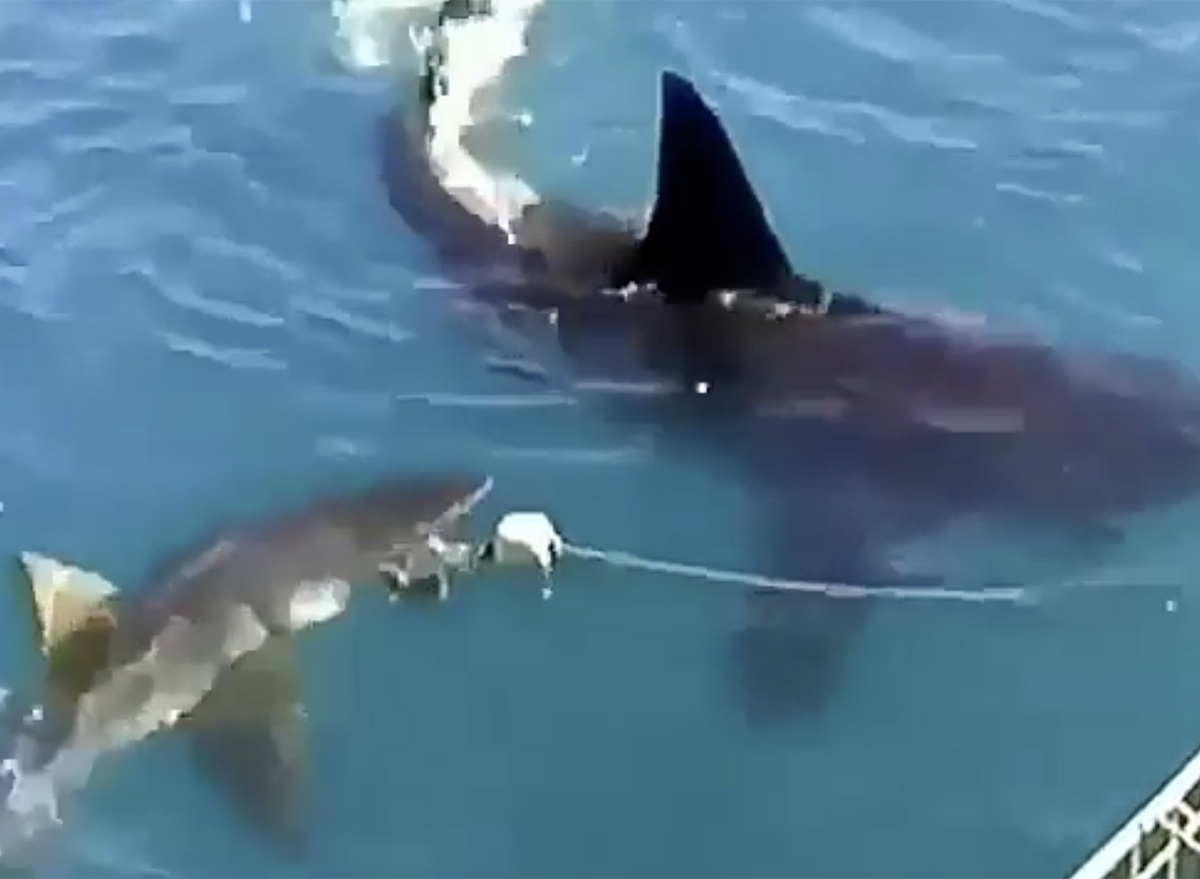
{"points": [[859, 427], [207, 646]]}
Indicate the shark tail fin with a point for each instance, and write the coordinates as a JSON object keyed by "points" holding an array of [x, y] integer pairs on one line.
{"points": [[74, 618], [708, 229]]}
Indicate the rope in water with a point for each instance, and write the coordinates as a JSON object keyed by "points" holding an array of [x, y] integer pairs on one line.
{"points": [[1006, 595], [530, 537]]}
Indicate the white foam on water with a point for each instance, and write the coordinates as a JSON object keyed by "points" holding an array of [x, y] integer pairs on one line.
{"points": [[34, 791], [373, 34], [476, 53], [32, 823], [393, 34], [31, 797]]}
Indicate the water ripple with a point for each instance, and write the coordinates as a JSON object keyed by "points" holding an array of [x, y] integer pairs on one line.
{"points": [[792, 111], [1178, 37], [843, 119], [1058, 199], [589, 457], [876, 33], [489, 401], [1053, 13], [192, 300], [237, 359], [359, 326]]}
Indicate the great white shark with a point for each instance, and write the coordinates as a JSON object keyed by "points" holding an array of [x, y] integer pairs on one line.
{"points": [[859, 426], [207, 644]]}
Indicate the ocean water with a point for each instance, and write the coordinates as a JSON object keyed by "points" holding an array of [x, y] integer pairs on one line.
{"points": [[206, 307]]}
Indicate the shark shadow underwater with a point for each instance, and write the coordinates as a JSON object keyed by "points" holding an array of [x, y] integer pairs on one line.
{"points": [[855, 426], [208, 646]]}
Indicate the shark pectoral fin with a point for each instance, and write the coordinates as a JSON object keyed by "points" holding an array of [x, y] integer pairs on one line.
{"points": [[708, 229], [792, 650], [65, 599], [248, 733]]}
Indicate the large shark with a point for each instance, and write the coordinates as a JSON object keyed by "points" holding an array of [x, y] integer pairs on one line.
{"points": [[859, 426], [207, 645]]}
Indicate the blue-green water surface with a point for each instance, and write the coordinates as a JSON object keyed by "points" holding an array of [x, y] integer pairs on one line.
{"points": [[206, 308]]}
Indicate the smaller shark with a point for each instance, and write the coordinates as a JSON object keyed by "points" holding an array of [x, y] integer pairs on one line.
{"points": [[207, 646]]}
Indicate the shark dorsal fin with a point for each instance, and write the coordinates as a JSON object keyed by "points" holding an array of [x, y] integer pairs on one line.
{"points": [[707, 230], [74, 619]]}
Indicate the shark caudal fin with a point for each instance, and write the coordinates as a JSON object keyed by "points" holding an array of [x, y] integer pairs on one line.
{"points": [[708, 230], [74, 619]]}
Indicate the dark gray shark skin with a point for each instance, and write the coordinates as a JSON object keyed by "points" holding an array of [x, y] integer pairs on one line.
{"points": [[859, 427], [194, 610]]}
